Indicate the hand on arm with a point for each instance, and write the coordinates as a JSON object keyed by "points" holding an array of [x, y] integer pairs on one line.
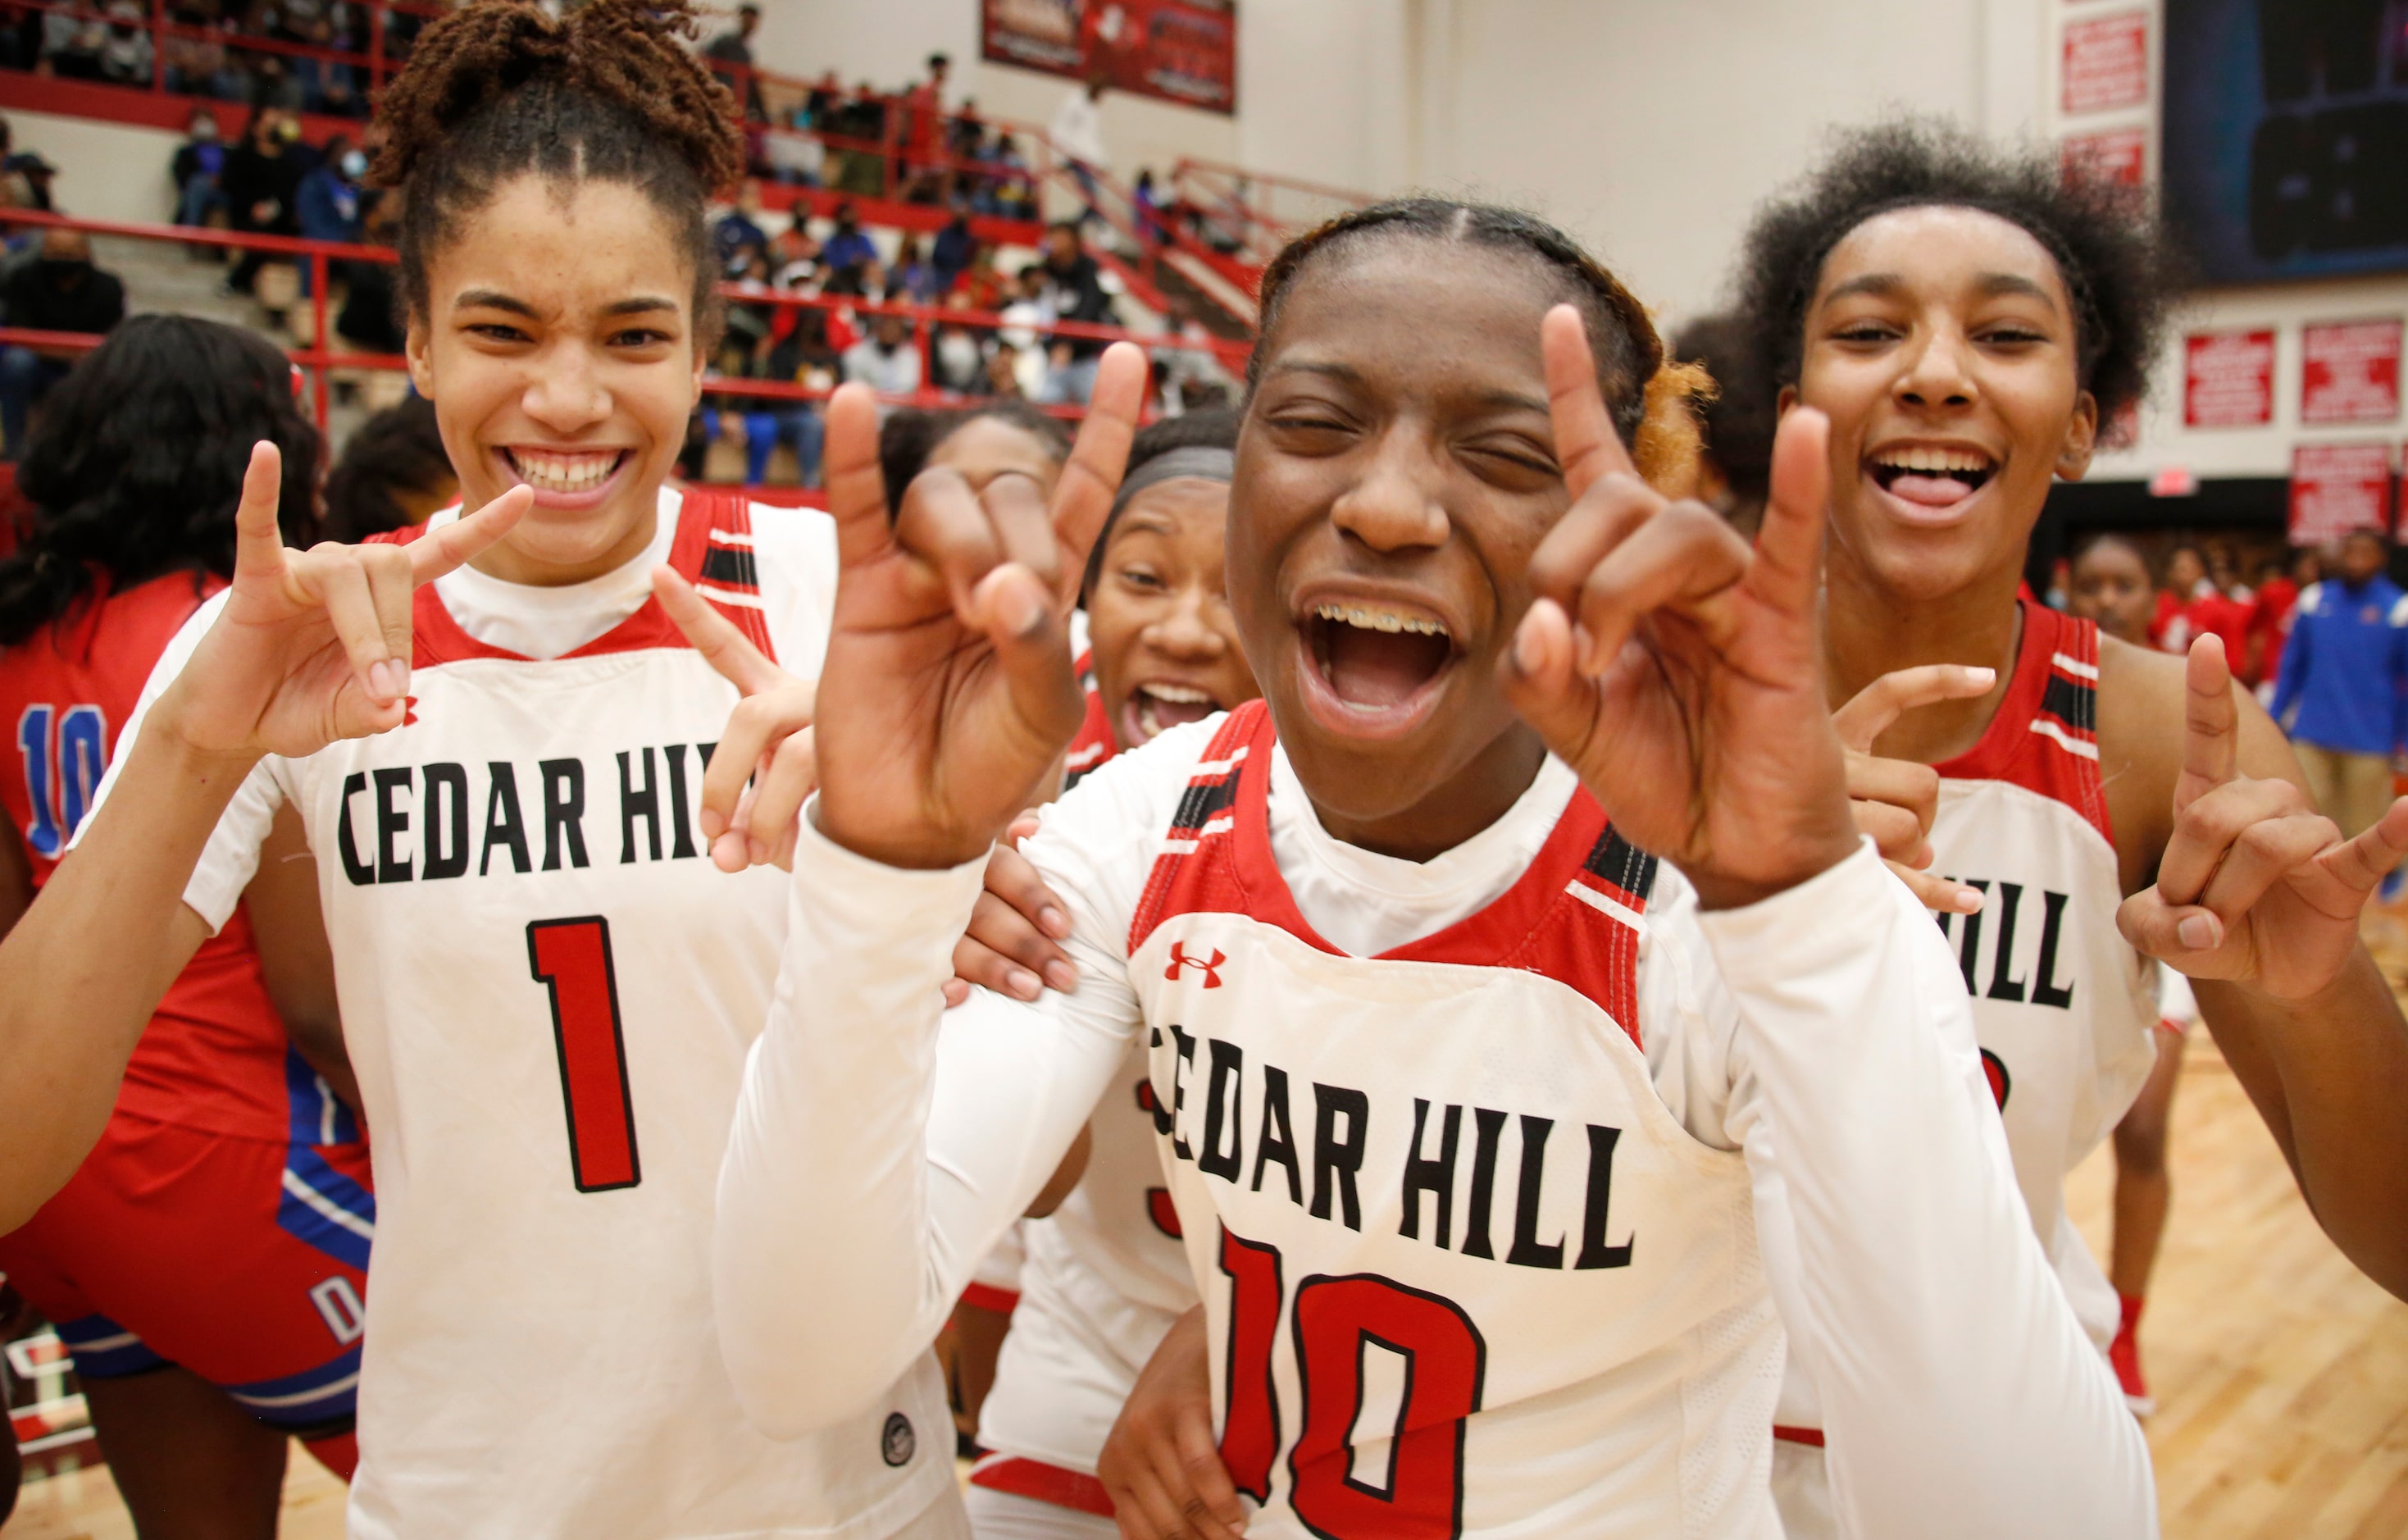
{"points": [[1162, 1464], [2257, 899], [1013, 943], [1677, 669]]}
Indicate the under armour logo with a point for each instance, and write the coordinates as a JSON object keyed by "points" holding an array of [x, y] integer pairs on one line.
{"points": [[1212, 965]]}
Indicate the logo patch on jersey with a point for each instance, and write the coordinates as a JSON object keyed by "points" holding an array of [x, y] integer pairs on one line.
{"points": [[1212, 965], [897, 1443]]}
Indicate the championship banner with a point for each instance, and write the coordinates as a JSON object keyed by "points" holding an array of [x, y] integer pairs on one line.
{"points": [[2337, 488], [1176, 50], [2228, 378], [2349, 371]]}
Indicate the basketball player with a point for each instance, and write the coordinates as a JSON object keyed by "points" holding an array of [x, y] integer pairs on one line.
{"points": [[2112, 590], [207, 1263], [547, 991], [1105, 1276], [1376, 934], [1965, 321]]}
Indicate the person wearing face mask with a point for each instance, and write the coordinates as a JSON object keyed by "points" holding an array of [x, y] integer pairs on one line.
{"points": [[125, 55], [199, 164], [59, 291], [263, 185], [328, 200]]}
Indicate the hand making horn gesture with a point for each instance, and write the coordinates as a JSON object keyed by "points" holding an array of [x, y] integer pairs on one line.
{"points": [[1894, 800], [948, 688], [1676, 669], [313, 645], [764, 769], [2255, 885]]}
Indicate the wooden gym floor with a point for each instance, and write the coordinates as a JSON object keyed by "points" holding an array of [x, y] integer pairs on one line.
{"points": [[2280, 1373]]}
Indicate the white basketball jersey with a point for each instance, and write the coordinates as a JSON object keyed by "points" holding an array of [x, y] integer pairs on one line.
{"points": [[1104, 1277], [1463, 1272], [2062, 1005], [549, 993]]}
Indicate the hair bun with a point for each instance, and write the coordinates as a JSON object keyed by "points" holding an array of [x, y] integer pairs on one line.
{"points": [[628, 53], [1665, 449]]}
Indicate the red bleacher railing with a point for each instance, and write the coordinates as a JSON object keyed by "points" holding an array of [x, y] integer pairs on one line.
{"points": [[1245, 210], [321, 359], [769, 100]]}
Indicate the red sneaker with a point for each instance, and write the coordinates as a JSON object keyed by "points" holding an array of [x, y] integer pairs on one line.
{"points": [[2124, 1354]]}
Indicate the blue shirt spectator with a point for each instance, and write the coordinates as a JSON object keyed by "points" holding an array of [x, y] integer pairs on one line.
{"points": [[2346, 668], [739, 227], [328, 202], [849, 247]]}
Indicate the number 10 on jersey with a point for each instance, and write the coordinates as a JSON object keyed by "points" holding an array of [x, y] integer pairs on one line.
{"points": [[571, 959]]}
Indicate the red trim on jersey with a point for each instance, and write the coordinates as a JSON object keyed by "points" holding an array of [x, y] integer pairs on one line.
{"points": [[1096, 742], [1537, 925], [2044, 737], [1034, 1478], [1003, 1301], [1797, 1435], [712, 549]]}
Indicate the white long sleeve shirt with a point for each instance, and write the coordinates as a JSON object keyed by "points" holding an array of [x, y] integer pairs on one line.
{"points": [[1796, 1117]]}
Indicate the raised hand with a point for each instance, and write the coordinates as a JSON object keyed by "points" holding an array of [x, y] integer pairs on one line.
{"points": [[764, 769], [2255, 885], [313, 645], [948, 689], [1894, 800], [1676, 669]]}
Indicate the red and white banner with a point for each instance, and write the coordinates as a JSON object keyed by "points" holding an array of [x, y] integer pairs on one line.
{"points": [[2106, 64], [2349, 371], [2118, 157], [2336, 488], [2228, 379], [1178, 50]]}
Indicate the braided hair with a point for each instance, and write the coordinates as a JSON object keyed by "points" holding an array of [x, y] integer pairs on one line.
{"points": [[498, 90], [2121, 272], [1646, 393]]}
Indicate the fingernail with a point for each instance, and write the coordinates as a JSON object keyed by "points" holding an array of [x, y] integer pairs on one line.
{"points": [[1968, 900], [1982, 676], [2198, 932], [1062, 978], [381, 681], [1525, 650], [1052, 922], [713, 825], [1024, 612], [400, 677], [1022, 983]]}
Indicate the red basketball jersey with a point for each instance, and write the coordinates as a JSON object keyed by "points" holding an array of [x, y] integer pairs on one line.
{"points": [[214, 1054]]}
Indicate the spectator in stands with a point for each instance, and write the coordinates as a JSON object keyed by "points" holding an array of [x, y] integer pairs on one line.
{"points": [[73, 37], [923, 132], [393, 473], [1012, 194], [735, 48], [739, 227], [849, 246], [981, 284], [195, 59], [2209, 607], [328, 200], [915, 278], [1074, 288], [793, 255], [199, 165], [2344, 690], [958, 361], [262, 188], [28, 177], [885, 360], [1078, 135], [1003, 373], [1146, 207], [367, 319], [1190, 378], [1026, 317], [2269, 622], [953, 247], [125, 55], [59, 291], [1735, 472], [274, 86]]}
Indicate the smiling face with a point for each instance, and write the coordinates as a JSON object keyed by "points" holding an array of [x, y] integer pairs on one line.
{"points": [[1394, 472], [2110, 586], [1166, 645], [1940, 343], [558, 348]]}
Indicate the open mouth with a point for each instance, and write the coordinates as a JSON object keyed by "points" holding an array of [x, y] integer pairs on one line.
{"points": [[566, 473], [1157, 705], [1374, 657], [1928, 476]]}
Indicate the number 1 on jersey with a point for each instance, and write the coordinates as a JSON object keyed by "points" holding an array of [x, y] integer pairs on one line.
{"points": [[571, 959]]}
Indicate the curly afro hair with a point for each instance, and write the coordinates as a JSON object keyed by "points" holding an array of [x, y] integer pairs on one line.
{"points": [[2118, 264]]}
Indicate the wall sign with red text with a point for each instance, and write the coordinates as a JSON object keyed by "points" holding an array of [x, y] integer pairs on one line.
{"points": [[2228, 378], [2349, 371], [2106, 64], [2336, 488], [1177, 51], [2118, 157]]}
